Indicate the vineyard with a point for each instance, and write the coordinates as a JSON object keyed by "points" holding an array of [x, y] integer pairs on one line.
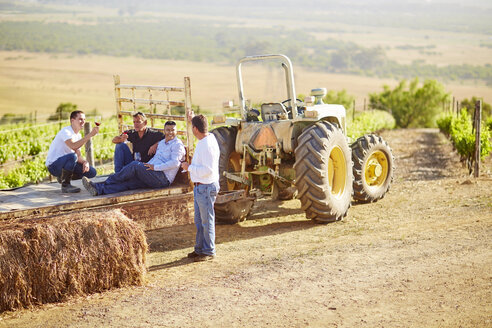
{"points": [[24, 146], [461, 132]]}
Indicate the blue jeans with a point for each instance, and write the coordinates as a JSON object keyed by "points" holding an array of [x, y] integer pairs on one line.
{"points": [[122, 156], [133, 176], [69, 163], [204, 198]]}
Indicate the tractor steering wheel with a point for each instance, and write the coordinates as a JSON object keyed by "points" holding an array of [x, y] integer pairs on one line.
{"points": [[289, 109]]}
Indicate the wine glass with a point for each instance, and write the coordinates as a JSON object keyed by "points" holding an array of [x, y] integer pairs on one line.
{"points": [[97, 120]]}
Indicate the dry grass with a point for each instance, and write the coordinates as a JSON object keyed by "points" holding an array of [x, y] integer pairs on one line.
{"points": [[450, 48], [51, 259], [40, 82]]}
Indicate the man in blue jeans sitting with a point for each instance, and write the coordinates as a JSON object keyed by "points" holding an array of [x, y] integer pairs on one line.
{"points": [[64, 160], [144, 143], [159, 172]]}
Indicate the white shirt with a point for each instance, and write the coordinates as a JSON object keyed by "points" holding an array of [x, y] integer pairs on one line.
{"points": [[204, 166], [58, 147], [168, 157]]}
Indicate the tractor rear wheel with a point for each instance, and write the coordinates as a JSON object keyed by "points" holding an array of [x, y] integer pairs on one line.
{"points": [[323, 172], [373, 168], [230, 161]]}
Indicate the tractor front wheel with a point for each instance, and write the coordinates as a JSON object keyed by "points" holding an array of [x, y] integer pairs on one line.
{"points": [[323, 172], [373, 168]]}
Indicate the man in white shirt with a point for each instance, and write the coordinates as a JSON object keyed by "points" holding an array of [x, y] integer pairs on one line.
{"points": [[64, 160], [159, 172], [204, 172]]}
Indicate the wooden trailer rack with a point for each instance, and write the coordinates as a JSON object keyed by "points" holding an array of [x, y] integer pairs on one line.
{"points": [[151, 208]]}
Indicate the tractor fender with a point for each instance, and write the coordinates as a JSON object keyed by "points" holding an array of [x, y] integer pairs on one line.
{"points": [[335, 114]]}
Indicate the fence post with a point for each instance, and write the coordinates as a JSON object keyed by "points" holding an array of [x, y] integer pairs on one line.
{"points": [[89, 151], [364, 104], [117, 96], [188, 111], [476, 124]]}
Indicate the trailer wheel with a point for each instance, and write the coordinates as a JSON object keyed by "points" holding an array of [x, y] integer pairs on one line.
{"points": [[373, 168], [323, 172]]}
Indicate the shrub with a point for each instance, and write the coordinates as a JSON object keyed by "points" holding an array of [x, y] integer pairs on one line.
{"points": [[368, 122], [63, 112], [410, 105], [340, 97], [470, 106], [488, 123], [444, 124]]}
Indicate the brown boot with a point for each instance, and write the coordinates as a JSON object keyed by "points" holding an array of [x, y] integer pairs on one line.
{"points": [[66, 187]]}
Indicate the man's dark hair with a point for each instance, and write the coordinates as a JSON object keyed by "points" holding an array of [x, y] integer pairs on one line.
{"points": [[75, 113], [169, 123], [140, 114], [200, 122]]}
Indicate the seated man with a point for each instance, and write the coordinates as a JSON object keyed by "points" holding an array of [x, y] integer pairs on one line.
{"points": [[64, 160], [159, 172], [144, 141]]}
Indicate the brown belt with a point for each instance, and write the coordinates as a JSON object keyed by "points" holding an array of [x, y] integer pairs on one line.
{"points": [[197, 183]]}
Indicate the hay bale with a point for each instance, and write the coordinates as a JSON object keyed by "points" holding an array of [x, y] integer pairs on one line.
{"points": [[51, 259]]}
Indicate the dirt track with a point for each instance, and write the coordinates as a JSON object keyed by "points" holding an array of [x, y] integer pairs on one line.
{"points": [[421, 257]]}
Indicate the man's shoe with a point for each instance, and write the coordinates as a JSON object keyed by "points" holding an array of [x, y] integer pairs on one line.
{"points": [[66, 187], [203, 258], [69, 189], [88, 185], [193, 254]]}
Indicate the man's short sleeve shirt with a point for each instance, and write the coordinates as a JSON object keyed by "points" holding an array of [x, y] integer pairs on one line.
{"points": [[142, 145]]}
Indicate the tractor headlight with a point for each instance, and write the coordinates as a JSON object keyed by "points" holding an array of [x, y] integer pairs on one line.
{"points": [[311, 113]]}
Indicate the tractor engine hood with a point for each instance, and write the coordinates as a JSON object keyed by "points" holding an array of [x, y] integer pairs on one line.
{"points": [[260, 136]]}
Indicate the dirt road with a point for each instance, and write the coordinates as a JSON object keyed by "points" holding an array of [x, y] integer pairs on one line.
{"points": [[421, 257]]}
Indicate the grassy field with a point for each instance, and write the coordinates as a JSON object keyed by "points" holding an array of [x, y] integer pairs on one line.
{"points": [[434, 47], [40, 82], [439, 47]]}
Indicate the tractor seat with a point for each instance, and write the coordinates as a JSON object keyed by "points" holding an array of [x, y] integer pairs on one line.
{"points": [[273, 112]]}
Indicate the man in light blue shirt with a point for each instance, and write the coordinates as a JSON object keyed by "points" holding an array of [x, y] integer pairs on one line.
{"points": [[159, 172]]}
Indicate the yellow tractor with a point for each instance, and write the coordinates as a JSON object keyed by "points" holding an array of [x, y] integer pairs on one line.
{"points": [[297, 149]]}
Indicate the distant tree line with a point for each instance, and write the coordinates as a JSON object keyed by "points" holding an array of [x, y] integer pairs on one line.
{"points": [[201, 41], [450, 15]]}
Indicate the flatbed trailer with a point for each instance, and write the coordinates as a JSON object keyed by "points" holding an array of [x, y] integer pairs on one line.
{"points": [[151, 208]]}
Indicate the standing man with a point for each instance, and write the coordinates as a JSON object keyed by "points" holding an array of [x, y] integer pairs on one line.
{"points": [[144, 141], [159, 172], [64, 160], [204, 173]]}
